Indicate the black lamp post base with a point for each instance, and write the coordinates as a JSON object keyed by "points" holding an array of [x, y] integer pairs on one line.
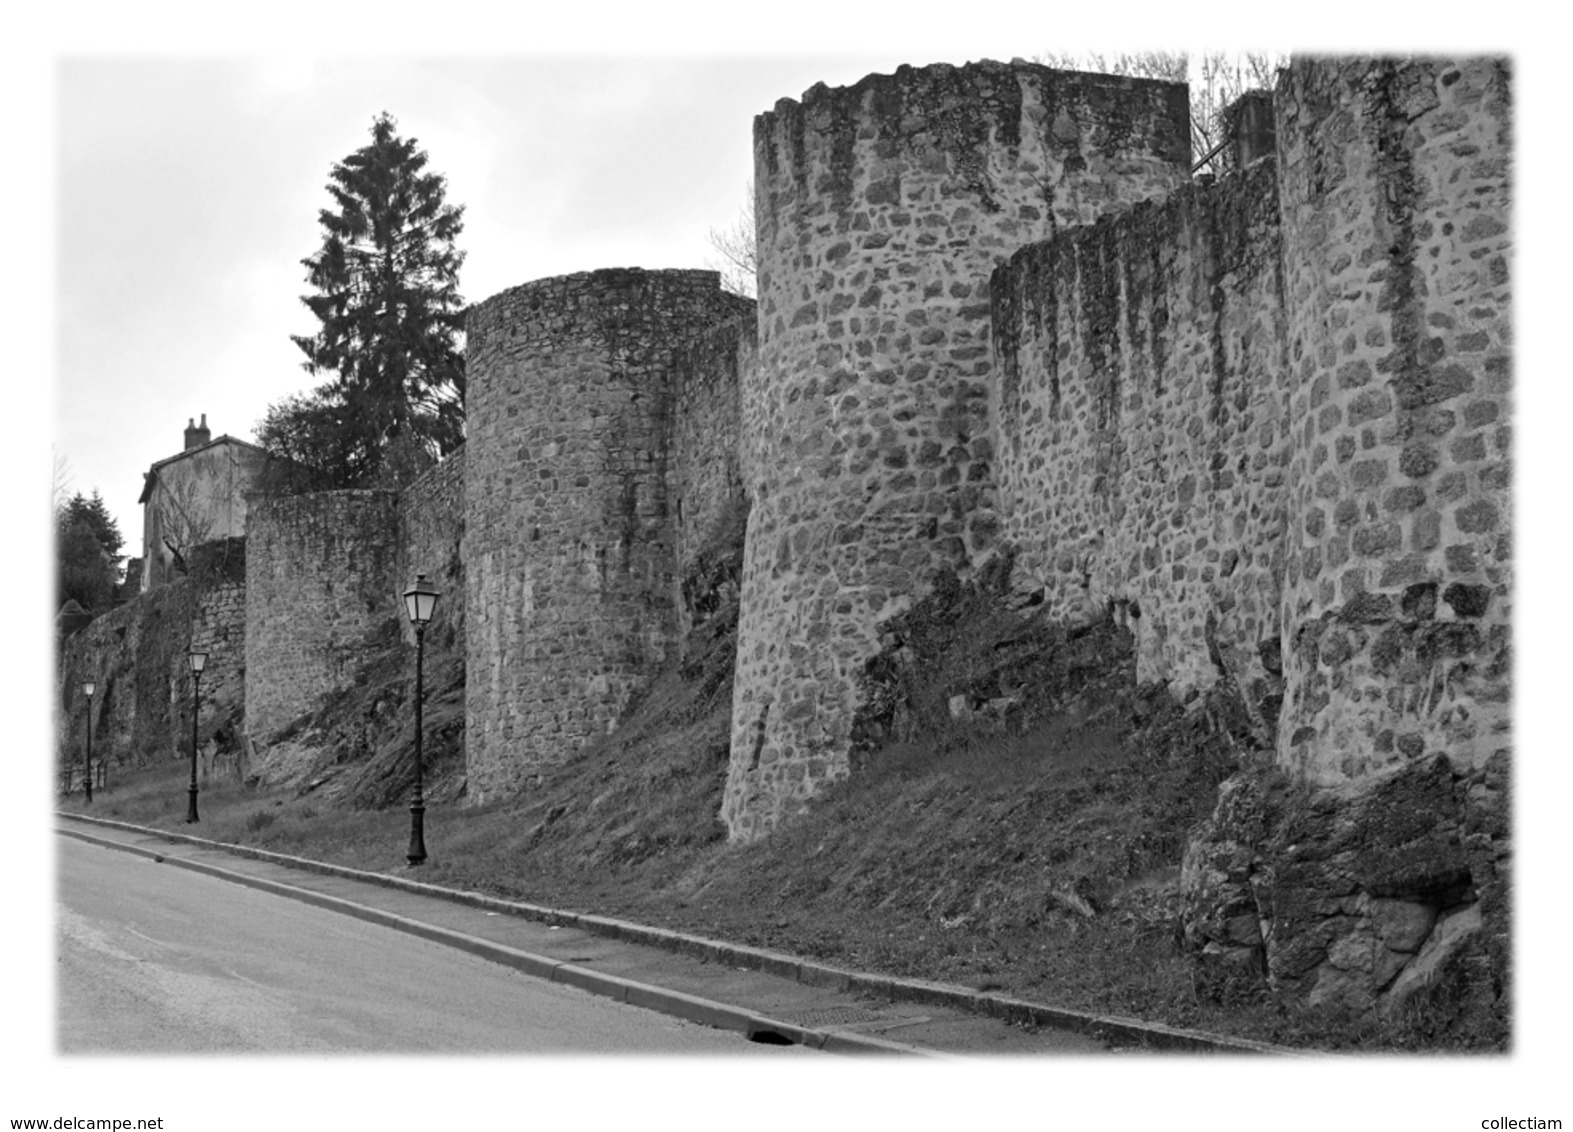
{"points": [[197, 660], [417, 852]]}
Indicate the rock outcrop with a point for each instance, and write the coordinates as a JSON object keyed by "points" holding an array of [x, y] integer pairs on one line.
{"points": [[1375, 897]]}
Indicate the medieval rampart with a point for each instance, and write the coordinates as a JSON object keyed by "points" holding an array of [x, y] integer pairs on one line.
{"points": [[1397, 587], [319, 582], [218, 627], [431, 528], [1264, 419], [106, 651], [569, 571], [1396, 646], [1141, 413], [705, 475], [882, 208], [137, 657], [1266, 423]]}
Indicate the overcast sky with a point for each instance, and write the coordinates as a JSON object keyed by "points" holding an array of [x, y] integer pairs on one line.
{"points": [[189, 192], [164, 190]]}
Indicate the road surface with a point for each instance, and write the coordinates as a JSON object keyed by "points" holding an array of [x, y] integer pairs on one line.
{"points": [[157, 959]]}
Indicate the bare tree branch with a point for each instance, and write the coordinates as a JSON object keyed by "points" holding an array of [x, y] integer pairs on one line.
{"points": [[1216, 80], [739, 266], [60, 481], [187, 519]]}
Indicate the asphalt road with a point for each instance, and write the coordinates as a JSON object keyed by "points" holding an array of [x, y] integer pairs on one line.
{"points": [[154, 959]]}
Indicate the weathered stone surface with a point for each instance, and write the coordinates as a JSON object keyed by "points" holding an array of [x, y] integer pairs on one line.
{"points": [[1250, 412], [1421, 975], [319, 583], [136, 655], [1222, 918], [1141, 413], [571, 576], [705, 472], [1402, 925], [1395, 185], [431, 541], [1365, 890], [875, 375]]}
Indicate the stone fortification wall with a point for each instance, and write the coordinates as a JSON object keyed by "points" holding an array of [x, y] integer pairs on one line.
{"points": [[1393, 868], [218, 627], [135, 704], [1141, 422], [319, 583], [570, 564], [431, 523], [1397, 596], [136, 655], [705, 473], [882, 208]]}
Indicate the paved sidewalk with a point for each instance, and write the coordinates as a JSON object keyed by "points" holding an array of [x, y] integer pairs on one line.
{"points": [[766, 996]]}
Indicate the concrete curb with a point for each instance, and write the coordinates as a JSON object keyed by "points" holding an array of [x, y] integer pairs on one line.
{"points": [[691, 1008], [1128, 1031]]}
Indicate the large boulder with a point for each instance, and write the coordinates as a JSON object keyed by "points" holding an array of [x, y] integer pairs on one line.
{"points": [[1374, 897]]}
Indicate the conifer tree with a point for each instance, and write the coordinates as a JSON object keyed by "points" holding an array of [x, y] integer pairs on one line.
{"points": [[390, 320], [87, 553]]}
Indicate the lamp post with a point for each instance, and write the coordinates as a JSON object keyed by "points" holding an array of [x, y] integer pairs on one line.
{"points": [[88, 688], [419, 602], [198, 661]]}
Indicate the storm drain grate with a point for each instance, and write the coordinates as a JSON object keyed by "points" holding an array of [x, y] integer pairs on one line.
{"points": [[837, 1016]]}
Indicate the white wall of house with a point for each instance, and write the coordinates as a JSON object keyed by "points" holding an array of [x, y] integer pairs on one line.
{"points": [[196, 497]]}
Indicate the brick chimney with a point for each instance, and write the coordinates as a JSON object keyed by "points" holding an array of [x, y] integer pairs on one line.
{"points": [[197, 435]]}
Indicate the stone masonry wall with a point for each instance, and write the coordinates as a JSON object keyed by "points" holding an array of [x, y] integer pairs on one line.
{"points": [[569, 547], [431, 522], [1141, 424], [1266, 419], [102, 651], [882, 208], [705, 474], [1397, 597], [218, 627], [319, 581], [136, 655]]}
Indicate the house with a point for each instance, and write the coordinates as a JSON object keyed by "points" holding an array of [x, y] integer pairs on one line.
{"points": [[194, 497]]}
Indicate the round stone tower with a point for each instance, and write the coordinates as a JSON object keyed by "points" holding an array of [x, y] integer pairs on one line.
{"points": [[569, 556], [882, 208], [1397, 597]]}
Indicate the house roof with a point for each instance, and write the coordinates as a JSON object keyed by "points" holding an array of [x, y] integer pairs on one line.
{"points": [[150, 477]]}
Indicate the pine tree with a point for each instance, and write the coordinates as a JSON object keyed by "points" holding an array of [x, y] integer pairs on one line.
{"points": [[87, 553], [390, 314]]}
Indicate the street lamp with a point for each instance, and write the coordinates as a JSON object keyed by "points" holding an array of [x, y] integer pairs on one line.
{"points": [[198, 661], [419, 602], [88, 687]]}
